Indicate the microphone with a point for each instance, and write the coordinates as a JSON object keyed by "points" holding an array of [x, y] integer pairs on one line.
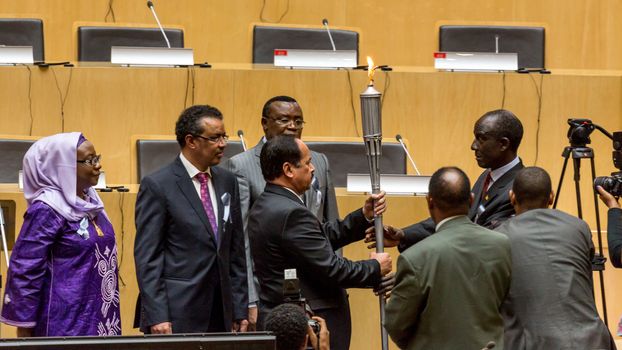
{"points": [[398, 137], [325, 23], [150, 5], [3, 233], [241, 136], [491, 344]]}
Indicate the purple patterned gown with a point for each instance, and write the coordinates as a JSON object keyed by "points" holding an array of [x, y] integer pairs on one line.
{"points": [[62, 279]]}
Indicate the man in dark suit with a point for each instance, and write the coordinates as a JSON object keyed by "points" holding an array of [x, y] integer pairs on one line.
{"points": [[449, 287], [281, 115], [189, 248], [498, 134], [550, 304], [614, 232], [614, 228], [285, 234]]}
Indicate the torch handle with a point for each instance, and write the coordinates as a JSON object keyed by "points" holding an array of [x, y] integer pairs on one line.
{"points": [[379, 231]]}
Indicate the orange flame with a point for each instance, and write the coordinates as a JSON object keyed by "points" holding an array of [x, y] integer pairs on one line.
{"points": [[370, 70]]}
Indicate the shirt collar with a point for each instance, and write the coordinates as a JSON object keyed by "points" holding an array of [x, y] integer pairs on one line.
{"points": [[297, 195], [497, 173], [191, 169], [438, 226]]}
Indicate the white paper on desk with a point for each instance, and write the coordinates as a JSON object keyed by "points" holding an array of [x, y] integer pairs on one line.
{"points": [[391, 183]]}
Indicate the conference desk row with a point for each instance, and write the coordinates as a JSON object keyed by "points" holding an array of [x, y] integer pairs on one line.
{"points": [[434, 110], [402, 210]]}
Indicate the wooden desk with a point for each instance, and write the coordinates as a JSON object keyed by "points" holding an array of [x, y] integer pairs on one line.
{"points": [[435, 111]]}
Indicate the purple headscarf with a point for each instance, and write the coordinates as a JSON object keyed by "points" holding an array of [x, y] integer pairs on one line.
{"points": [[50, 176]]}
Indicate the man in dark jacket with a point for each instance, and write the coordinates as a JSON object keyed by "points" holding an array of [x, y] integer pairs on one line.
{"points": [[284, 234]]}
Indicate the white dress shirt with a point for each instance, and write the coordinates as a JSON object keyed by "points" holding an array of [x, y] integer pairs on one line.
{"points": [[192, 172]]}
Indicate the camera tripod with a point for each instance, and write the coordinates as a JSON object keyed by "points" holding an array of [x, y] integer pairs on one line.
{"points": [[579, 152]]}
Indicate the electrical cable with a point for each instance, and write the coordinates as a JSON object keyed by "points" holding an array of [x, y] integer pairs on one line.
{"points": [[387, 85], [263, 6], [110, 12], [356, 128], [62, 98], [539, 93], [30, 99], [504, 87]]}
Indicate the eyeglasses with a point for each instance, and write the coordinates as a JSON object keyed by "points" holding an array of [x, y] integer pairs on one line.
{"points": [[214, 139], [91, 161], [298, 123]]}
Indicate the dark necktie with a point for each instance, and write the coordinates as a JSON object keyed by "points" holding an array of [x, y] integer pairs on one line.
{"points": [[206, 199], [486, 184]]}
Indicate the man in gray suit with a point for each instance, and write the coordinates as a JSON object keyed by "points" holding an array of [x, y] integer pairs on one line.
{"points": [[281, 115], [550, 304], [449, 286]]}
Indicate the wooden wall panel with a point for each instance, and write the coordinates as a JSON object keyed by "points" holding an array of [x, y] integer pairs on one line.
{"points": [[580, 33]]}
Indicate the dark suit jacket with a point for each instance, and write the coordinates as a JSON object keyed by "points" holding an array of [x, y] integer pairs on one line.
{"points": [[284, 234], [497, 208], [551, 304], [178, 261], [247, 168], [614, 236], [449, 289]]}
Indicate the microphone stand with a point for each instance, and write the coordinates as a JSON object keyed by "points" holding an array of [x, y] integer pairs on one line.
{"points": [[150, 5], [4, 247], [372, 135], [242, 140], [325, 23], [412, 162]]}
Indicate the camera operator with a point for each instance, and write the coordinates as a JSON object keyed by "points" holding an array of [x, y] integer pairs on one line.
{"points": [[293, 332], [614, 226]]}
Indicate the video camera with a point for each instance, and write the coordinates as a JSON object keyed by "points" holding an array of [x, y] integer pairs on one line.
{"points": [[292, 295], [613, 183]]}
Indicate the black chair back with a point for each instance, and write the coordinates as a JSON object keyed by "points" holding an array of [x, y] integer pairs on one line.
{"points": [[152, 155], [23, 32], [11, 158], [94, 42], [268, 38], [350, 158], [527, 42]]}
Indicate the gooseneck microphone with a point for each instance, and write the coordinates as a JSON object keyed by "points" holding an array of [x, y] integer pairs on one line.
{"points": [[241, 136], [150, 5], [325, 23], [4, 245], [398, 137]]}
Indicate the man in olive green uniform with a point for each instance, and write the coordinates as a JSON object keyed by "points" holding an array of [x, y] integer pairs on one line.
{"points": [[449, 287]]}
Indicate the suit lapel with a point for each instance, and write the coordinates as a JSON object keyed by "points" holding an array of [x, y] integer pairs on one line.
{"points": [[186, 186], [500, 186], [477, 195]]}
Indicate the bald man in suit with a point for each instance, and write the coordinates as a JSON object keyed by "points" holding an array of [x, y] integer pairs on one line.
{"points": [[449, 287]]}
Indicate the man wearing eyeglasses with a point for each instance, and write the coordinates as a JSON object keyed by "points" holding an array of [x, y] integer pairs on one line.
{"points": [[281, 115], [189, 248]]}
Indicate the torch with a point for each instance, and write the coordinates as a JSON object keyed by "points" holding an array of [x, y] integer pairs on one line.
{"points": [[372, 136]]}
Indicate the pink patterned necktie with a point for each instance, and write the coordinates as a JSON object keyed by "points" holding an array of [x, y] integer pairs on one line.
{"points": [[206, 199]]}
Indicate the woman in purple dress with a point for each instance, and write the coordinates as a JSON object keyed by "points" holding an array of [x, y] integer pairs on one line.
{"points": [[62, 278]]}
